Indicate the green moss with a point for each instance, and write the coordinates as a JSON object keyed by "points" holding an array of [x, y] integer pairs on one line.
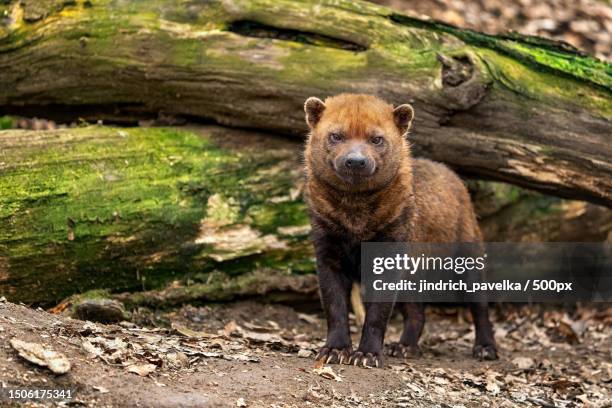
{"points": [[543, 55], [96, 195], [268, 217], [94, 294], [222, 210], [6, 122], [544, 87]]}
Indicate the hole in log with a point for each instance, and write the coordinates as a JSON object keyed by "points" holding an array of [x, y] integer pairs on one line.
{"points": [[455, 70], [463, 87], [254, 29], [35, 10]]}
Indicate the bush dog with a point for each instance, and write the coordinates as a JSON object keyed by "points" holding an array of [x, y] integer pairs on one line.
{"points": [[362, 184]]}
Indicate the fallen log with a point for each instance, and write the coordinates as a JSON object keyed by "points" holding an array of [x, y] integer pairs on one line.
{"points": [[189, 210], [514, 108], [134, 209], [507, 213]]}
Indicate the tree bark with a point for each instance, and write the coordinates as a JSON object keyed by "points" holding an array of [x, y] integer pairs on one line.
{"points": [[518, 109], [507, 213], [192, 208]]}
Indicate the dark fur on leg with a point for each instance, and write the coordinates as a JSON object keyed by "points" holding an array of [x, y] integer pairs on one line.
{"points": [[369, 353], [414, 321]]}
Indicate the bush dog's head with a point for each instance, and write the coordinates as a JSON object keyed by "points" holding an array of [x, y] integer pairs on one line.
{"points": [[357, 142]]}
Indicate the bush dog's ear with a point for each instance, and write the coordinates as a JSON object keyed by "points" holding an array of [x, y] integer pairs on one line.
{"points": [[314, 108], [403, 115]]}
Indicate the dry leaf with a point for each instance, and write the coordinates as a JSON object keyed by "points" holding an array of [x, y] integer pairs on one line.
{"points": [[142, 369], [524, 363], [37, 354], [583, 398], [91, 349], [304, 353], [231, 328], [327, 372], [187, 332], [312, 319], [319, 363], [101, 389], [568, 332], [492, 387]]}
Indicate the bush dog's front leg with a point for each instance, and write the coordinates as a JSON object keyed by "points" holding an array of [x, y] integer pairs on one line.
{"points": [[369, 353], [335, 289]]}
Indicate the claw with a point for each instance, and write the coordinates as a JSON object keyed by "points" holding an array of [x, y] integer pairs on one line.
{"points": [[367, 360], [329, 355], [406, 351], [485, 352]]}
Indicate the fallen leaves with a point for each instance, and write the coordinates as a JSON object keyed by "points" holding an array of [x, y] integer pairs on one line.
{"points": [[539, 368], [37, 354], [185, 331], [543, 367], [138, 347]]}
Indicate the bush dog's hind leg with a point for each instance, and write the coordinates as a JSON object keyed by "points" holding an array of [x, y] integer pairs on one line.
{"points": [[484, 346], [414, 321], [369, 352]]}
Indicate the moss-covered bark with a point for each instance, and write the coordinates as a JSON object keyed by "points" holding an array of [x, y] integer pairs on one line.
{"points": [[128, 209], [519, 109]]}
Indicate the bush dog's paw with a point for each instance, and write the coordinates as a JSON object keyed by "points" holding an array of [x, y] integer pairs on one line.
{"points": [[368, 360], [331, 355], [485, 352], [401, 350]]}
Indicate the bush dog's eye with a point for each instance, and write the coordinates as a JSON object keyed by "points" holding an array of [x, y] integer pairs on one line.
{"points": [[377, 140], [335, 137]]}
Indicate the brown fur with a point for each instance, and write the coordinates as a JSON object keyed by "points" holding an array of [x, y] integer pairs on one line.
{"points": [[392, 197], [441, 210]]}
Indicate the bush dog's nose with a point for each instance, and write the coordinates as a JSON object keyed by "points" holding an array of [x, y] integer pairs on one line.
{"points": [[355, 161]]}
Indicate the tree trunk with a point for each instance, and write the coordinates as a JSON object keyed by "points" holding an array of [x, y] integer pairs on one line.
{"points": [[137, 209], [520, 109]]}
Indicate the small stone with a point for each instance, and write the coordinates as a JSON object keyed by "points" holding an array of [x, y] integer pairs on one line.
{"points": [[100, 310], [304, 353]]}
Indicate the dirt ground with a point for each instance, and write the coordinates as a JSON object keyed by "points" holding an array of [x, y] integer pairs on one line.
{"points": [[255, 355]]}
